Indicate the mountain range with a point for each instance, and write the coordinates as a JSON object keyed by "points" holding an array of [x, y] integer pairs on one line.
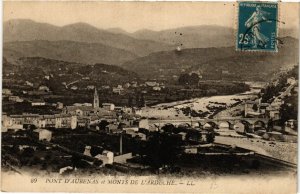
{"points": [[65, 50], [207, 49], [84, 43], [212, 62], [20, 30]]}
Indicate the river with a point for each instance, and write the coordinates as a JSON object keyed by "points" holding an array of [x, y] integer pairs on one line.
{"points": [[173, 110]]}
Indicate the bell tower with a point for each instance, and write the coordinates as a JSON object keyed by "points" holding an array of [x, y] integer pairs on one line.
{"points": [[96, 99]]}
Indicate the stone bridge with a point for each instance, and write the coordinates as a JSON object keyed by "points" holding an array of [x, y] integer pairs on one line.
{"points": [[215, 123]]}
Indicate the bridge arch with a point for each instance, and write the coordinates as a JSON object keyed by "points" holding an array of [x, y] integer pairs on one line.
{"points": [[259, 125], [247, 126], [168, 127], [239, 127], [210, 125], [184, 125], [224, 125]]}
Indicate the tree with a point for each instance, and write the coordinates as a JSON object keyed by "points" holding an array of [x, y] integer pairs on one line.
{"points": [[255, 107], [28, 152], [130, 101], [210, 137], [103, 124], [142, 101], [162, 149], [95, 150], [183, 79], [168, 128], [194, 79]]}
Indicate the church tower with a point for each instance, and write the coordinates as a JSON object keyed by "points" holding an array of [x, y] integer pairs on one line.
{"points": [[96, 99]]}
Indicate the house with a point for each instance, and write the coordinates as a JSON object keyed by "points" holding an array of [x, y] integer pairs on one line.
{"points": [[151, 83], [118, 90], [37, 93], [78, 110], [90, 87], [25, 118], [87, 151], [105, 87], [83, 104], [127, 85], [83, 122], [8, 123], [74, 88], [65, 121], [122, 158], [183, 136], [44, 88], [156, 88], [129, 130], [20, 120], [15, 99], [108, 106], [225, 72], [142, 136], [6, 92], [28, 83], [95, 119], [59, 105], [144, 124], [291, 80], [263, 107], [274, 114], [112, 128], [38, 102], [107, 157], [255, 108], [191, 150], [47, 121], [134, 84], [43, 134]]}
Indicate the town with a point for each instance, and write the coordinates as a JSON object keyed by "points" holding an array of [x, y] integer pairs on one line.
{"points": [[97, 136]]}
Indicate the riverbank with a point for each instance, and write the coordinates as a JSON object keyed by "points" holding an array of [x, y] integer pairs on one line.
{"points": [[281, 150], [209, 105]]}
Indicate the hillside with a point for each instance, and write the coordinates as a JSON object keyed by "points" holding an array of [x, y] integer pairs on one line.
{"points": [[67, 51], [34, 69], [191, 37], [210, 62], [28, 30], [204, 36]]}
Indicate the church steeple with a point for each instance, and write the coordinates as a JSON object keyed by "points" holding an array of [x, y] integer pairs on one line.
{"points": [[96, 99]]}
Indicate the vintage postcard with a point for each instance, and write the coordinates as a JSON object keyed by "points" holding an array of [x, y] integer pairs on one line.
{"points": [[150, 97]]}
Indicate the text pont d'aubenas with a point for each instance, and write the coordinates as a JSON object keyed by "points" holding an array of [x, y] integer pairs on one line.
{"points": [[112, 181]]}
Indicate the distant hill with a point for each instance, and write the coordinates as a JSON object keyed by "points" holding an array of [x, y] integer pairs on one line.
{"points": [[80, 52], [191, 37], [211, 62], [28, 30], [204, 36], [34, 69], [117, 31]]}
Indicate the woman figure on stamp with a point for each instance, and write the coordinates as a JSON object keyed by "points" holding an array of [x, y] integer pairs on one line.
{"points": [[254, 22]]}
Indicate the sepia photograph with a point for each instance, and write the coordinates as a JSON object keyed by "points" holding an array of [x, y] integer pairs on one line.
{"points": [[174, 97]]}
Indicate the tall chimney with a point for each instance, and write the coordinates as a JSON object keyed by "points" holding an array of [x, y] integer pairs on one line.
{"points": [[121, 144]]}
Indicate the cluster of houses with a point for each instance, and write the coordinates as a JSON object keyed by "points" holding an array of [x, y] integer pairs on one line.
{"points": [[79, 115], [120, 89], [271, 110]]}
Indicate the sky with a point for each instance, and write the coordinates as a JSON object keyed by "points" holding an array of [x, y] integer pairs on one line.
{"points": [[133, 16]]}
